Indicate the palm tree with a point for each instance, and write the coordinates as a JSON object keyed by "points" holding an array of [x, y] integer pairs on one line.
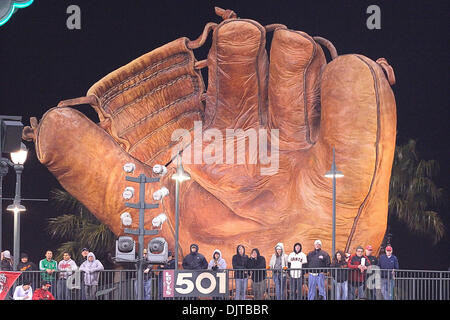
{"points": [[78, 228], [413, 196]]}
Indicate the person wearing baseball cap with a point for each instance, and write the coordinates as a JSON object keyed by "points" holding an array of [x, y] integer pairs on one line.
{"points": [[388, 263], [43, 292], [317, 258], [371, 293]]}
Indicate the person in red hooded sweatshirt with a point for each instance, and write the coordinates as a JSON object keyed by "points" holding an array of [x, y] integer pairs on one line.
{"points": [[358, 264], [43, 293]]}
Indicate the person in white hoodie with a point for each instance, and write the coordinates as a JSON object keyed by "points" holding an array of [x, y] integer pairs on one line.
{"points": [[23, 292], [279, 262], [91, 268], [296, 260], [66, 267], [217, 262]]}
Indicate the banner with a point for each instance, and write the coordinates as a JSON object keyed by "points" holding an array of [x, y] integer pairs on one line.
{"points": [[204, 283], [7, 280]]}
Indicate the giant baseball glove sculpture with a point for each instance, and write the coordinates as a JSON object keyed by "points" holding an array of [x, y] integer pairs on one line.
{"points": [[283, 197]]}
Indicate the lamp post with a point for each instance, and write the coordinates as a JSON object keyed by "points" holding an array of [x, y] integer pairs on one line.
{"points": [[179, 177], [18, 158], [333, 174], [10, 140]]}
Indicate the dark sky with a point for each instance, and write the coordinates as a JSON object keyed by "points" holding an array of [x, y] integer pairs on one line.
{"points": [[42, 62]]}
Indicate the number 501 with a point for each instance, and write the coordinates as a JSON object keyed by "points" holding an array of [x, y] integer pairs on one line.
{"points": [[195, 283]]}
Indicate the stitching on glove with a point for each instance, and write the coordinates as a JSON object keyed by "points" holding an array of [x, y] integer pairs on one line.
{"points": [[167, 148], [175, 119], [107, 97], [127, 129], [159, 88]]}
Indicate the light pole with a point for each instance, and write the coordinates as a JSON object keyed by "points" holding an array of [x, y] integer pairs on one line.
{"points": [[179, 177], [333, 174], [10, 140], [142, 179], [18, 158]]}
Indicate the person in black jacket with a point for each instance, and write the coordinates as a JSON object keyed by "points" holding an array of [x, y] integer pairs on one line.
{"points": [[340, 276], [371, 293], [240, 261], [317, 259], [6, 263], [194, 260], [25, 266], [257, 261]]}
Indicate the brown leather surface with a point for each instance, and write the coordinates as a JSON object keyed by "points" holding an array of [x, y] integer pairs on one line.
{"points": [[347, 104]]}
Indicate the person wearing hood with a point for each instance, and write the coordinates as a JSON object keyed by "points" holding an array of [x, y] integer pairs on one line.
{"points": [[257, 261], [217, 262], [25, 266], [91, 268], [296, 260], [6, 263], [65, 267], [278, 263], [240, 261], [317, 259], [194, 260]]}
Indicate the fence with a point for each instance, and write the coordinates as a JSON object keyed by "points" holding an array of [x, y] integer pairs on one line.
{"points": [[292, 284]]}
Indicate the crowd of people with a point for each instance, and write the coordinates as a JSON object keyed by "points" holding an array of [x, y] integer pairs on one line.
{"points": [[349, 273], [53, 274]]}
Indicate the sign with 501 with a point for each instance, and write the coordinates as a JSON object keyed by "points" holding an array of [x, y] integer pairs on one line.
{"points": [[194, 283]]}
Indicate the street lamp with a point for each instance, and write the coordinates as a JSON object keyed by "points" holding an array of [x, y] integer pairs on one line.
{"points": [[179, 177], [333, 174], [10, 140], [18, 158]]}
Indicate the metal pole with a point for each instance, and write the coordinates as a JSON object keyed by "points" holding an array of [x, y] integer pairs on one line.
{"points": [[333, 169], [1, 208], [19, 169], [3, 172], [141, 235], [177, 221]]}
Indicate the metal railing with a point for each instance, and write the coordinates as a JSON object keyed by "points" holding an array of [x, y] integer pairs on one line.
{"points": [[260, 284]]}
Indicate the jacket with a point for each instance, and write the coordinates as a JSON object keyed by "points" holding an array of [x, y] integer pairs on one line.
{"points": [[257, 263], [341, 274], [373, 260], [6, 265], [318, 259], [220, 264], [194, 260], [387, 263], [20, 293], [356, 276], [284, 257], [91, 270], [41, 294], [66, 268], [296, 260], [240, 262], [27, 266], [44, 264]]}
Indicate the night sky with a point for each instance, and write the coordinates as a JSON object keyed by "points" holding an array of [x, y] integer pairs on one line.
{"points": [[42, 62]]}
